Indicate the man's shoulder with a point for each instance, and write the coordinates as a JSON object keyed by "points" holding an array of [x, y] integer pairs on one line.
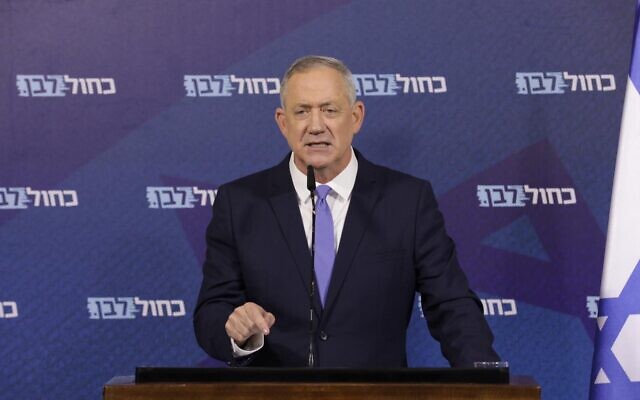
{"points": [[252, 179], [394, 178], [400, 176], [258, 182]]}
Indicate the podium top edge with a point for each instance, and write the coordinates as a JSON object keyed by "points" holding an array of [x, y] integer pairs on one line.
{"points": [[321, 375]]}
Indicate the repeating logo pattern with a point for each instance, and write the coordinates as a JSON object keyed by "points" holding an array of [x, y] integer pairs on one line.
{"points": [[131, 307], [227, 85], [180, 196], [60, 85], [490, 307], [16, 198], [521, 195], [147, 103], [557, 82], [393, 84]]}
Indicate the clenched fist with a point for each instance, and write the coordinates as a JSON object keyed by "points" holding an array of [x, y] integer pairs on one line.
{"points": [[247, 320]]}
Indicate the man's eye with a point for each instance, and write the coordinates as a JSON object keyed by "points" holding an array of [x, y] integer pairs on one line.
{"points": [[330, 110]]}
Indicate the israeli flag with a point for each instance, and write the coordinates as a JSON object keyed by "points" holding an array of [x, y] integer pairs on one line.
{"points": [[615, 371]]}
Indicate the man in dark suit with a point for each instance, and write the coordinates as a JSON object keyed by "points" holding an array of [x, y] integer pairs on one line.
{"points": [[379, 238]]}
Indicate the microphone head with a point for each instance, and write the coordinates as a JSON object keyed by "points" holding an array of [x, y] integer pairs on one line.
{"points": [[311, 179]]}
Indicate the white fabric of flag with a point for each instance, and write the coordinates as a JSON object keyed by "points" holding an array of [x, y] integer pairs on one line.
{"points": [[616, 364]]}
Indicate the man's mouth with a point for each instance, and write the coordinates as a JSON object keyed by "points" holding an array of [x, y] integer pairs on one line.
{"points": [[317, 144]]}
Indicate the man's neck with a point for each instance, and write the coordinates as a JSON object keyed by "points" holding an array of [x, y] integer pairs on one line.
{"points": [[322, 175]]}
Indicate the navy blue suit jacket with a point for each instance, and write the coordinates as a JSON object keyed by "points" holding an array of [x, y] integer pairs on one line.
{"points": [[393, 244]]}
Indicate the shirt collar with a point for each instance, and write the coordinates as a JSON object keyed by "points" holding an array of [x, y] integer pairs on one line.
{"points": [[342, 184]]}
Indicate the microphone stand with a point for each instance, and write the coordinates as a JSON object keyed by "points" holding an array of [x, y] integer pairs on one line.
{"points": [[311, 185]]}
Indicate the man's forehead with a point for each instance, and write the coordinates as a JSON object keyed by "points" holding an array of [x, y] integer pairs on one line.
{"points": [[316, 93], [314, 103]]}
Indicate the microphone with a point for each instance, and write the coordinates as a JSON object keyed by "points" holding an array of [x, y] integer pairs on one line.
{"points": [[311, 179], [311, 185]]}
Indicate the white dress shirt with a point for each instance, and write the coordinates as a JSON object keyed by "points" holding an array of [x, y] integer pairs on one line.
{"points": [[338, 200]]}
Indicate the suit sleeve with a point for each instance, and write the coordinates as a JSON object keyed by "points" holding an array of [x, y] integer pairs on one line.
{"points": [[222, 287], [453, 312]]}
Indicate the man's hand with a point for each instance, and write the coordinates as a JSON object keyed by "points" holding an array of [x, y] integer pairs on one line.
{"points": [[247, 320]]}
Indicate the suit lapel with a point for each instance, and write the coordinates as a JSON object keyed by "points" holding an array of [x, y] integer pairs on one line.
{"points": [[284, 202], [365, 194]]}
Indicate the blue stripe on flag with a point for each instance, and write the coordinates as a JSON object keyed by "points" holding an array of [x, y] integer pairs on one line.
{"points": [[634, 72]]}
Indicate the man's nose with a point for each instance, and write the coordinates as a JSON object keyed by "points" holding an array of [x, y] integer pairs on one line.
{"points": [[316, 123]]}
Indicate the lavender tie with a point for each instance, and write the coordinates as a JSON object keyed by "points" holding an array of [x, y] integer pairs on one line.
{"points": [[324, 251]]}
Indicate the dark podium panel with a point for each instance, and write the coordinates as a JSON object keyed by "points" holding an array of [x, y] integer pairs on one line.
{"points": [[329, 384]]}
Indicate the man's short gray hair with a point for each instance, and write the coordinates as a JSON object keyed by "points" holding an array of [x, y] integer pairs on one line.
{"points": [[307, 63]]}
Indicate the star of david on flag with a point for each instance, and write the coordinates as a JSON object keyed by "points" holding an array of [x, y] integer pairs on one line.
{"points": [[615, 372]]}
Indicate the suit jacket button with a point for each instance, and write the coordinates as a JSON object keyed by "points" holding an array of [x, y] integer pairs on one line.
{"points": [[323, 336]]}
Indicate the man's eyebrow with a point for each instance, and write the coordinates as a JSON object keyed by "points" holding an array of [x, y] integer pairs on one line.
{"points": [[308, 105]]}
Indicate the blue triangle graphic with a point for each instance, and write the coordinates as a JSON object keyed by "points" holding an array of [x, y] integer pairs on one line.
{"points": [[518, 237]]}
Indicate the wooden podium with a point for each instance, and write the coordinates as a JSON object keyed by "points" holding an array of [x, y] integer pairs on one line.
{"points": [[332, 384]]}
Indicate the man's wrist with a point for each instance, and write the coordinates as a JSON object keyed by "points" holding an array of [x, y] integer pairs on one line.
{"points": [[250, 346]]}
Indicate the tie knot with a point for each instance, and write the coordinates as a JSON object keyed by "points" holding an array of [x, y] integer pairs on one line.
{"points": [[322, 191]]}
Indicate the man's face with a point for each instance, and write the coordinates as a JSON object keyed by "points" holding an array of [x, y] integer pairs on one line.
{"points": [[319, 122]]}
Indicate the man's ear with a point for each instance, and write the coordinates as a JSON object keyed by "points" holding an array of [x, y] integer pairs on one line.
{"points": [[281, 120], [357, 111]]}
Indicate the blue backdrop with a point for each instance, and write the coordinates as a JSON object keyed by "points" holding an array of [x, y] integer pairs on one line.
{"points": [[118, 120]]}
